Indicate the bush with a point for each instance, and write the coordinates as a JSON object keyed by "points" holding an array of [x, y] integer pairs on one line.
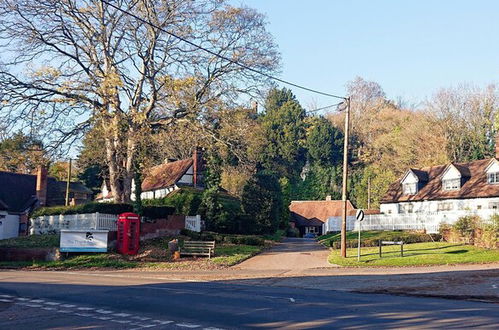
{"points": [[224, 238], [404, 236], [109, 208], [466, 227], [488, 233]]}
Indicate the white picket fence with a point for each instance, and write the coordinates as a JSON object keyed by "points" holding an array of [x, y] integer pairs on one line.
{"points": [[193, 223], [413, 221], [54, 223]]}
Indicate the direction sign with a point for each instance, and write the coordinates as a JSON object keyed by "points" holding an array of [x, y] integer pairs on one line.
{"points": [[359, 215]]}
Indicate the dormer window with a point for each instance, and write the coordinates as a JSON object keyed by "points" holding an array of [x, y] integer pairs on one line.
{"points": [[493, 178], [410, 188], [451, 184]]}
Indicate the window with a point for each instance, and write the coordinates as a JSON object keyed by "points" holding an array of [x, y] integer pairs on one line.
{"points": [[493, 178], [406, 208], [445, 206], [410, 188], [451, 184], [479, 207], [494, 205]]}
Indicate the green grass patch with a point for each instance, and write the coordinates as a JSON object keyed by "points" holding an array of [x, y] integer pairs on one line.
{"points": [[371, 238], [417, 254], [33, 241]]}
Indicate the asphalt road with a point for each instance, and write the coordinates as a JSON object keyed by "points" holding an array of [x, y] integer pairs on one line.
{"points": [[64, 300]]}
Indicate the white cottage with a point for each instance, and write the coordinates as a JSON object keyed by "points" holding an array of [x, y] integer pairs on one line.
{"points": [[472, 186], [161, 180]]}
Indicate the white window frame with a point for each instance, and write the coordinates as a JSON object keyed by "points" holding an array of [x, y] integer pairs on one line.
{"points": [[445, 206], [451, 184], [493, 178], [410, 188]]}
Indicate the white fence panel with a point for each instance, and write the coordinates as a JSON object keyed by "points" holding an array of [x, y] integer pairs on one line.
{"points": [[411, 221], [193, 223], [54, 223]]}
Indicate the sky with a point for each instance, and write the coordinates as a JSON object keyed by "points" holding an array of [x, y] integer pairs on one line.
{"points": [[411, 48]]}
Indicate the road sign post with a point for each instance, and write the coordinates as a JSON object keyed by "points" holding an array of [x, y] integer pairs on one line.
{"points": [[359, 216]]}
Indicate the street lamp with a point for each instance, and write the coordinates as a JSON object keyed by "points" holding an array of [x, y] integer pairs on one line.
{"points": [[345, 105]]}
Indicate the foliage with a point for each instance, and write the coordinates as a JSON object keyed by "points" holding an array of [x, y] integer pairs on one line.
{"points": [[153, 212], [371, 238], [320, 181], [21, 154], [32, 241], [262, 202], [185, 201], [466, 227], [284, 130], [324, 142], [418, 254], [225, 238]]}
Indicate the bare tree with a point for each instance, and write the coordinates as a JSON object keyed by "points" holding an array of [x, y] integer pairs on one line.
{"points": [[68, 65]]}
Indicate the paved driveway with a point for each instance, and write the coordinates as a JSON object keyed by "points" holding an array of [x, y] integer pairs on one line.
{"points": [[291, 254]]}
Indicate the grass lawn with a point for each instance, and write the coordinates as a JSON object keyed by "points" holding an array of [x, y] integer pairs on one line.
{"points": [[417, 254], [371, 237]]}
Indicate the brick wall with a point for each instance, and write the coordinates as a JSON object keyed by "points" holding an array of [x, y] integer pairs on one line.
{"points": [[162, 227]]}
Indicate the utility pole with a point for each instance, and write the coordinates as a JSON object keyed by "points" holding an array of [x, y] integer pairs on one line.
{"points": [[68, 182], [368, 192], [345, 181]]}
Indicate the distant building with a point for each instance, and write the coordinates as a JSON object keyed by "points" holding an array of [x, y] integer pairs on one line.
{"points": [[161, 180], [309, 216], [21, 193]]}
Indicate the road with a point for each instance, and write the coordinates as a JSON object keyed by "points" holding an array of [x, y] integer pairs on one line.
{"points": [[292, 253], [134, 300]]}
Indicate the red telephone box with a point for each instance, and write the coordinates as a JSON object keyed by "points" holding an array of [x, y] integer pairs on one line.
{"points": [[128, 233]]}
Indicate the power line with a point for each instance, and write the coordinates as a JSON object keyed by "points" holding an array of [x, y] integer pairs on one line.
{"points": [[326, 107], [244, 66]]}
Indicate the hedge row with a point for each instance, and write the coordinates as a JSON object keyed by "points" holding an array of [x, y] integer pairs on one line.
{"points": [[406, 237], [225, 238], [153, 212]]}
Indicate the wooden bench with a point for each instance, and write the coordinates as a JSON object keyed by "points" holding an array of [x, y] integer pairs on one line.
{"points": [[198, 248], [381, 243]]}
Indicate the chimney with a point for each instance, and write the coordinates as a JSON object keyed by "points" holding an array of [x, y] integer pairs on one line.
{"points": [[41, 185], [328, 197], [254, 107], [197, 175]]}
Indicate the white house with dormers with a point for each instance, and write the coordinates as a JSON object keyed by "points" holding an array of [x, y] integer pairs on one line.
{"points": [[451, 188]]}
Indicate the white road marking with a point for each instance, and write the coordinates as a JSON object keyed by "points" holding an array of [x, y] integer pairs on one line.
{"points": [[6, 296], [121, 321], [22, 299], [68, 306], [494, 286], [52, 303], [212, 328], [140, 318], [63, 311], [49, 308], [163, 322], [187, 325], [6, 300], [83, 314], [122, 314], [37, 300], [33, 305], [103, 318], [103, 311], [85, 308]]}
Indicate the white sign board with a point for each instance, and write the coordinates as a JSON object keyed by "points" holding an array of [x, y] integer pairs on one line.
{"points": [[83, 240]]}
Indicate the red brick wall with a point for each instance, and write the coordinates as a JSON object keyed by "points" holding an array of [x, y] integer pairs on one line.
{"points": [[162, 227]]}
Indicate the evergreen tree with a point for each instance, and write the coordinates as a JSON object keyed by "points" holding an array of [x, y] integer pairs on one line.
{"points": [[324, 143], [284, 131], [262, 202]]}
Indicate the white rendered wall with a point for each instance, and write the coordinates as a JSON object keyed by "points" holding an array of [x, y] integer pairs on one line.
{"points": [[474, 204], [10, 226]]}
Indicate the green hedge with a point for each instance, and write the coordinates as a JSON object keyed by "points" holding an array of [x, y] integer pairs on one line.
{"points": [[153, 212], [406, 237], [109, 208], [225, 238]]}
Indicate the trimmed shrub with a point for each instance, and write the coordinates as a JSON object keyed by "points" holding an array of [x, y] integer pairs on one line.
{"points": [[466, 227], [157, 212], [109, 208], [224, 238], [406, 237]]}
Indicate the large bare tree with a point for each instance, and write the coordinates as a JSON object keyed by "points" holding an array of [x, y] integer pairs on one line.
{"points": [[68, 65]]}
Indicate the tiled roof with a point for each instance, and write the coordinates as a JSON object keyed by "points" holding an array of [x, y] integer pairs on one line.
{"points": [[18, 191], [315, 213], [166, 175], [474, 184]]}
